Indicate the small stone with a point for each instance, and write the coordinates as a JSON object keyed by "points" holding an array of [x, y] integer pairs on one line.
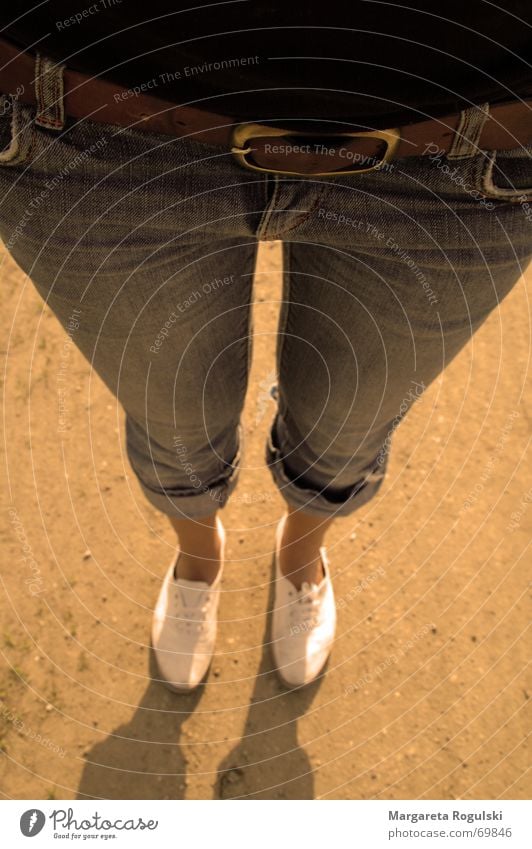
{"points": [[352, 537], [49, 707], [86, 555], [216, 672]]}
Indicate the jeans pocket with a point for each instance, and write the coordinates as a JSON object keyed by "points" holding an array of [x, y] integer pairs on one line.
{"points": [[16, 131], [507, 175]]}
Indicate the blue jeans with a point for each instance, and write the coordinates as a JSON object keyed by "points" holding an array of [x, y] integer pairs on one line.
{"points": [[144, 247]]}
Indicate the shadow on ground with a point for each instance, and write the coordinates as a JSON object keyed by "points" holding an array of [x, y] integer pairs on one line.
{"points": [[269, 748], [143, 759]]}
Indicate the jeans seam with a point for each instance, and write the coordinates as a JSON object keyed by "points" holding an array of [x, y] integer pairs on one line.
{"points": [[249, 344], [268, 209], [285, 311], [303, 217], [491, 191]]}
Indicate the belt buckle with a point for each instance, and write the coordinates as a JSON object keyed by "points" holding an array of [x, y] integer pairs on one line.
{"points": [[244, 133]]}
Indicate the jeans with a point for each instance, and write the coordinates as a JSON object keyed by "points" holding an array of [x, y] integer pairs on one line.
{"points": [[144, 247]]}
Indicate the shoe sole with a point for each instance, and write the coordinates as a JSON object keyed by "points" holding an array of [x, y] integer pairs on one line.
{"points": [[182, 691]]}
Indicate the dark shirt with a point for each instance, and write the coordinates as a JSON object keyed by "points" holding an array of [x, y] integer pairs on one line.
{"points": [[376, 63]]}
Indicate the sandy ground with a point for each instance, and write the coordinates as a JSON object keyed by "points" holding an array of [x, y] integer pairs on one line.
{"points": [[425, 695]]}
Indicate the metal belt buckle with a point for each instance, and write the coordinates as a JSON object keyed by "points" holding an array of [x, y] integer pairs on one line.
{"points": [[242, 147]]}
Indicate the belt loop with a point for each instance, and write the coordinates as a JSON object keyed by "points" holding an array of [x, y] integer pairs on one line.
{"points": [[49, 91], [467, 135]]}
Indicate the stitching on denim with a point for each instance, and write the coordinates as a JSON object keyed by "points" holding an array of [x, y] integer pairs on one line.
{"points": [[491, 190], [285, 311], [303, 217], [11, 154], [467, 135], [268, 211], [248, 339], [49, 92], [21, 142]]}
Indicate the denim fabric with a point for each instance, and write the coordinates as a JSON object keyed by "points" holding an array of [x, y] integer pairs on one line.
{"points": [[150, 243]]}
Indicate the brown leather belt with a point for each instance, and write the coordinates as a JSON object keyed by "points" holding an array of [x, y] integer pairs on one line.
{"points": [[328, 149]]}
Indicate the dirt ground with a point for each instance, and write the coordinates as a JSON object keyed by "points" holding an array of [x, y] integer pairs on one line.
{"points": [[425, 694]]}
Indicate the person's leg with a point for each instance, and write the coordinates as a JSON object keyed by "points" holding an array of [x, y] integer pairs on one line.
{"points": [[144, 248], [200, 548], [302, 538], [135, 237], [386, 279]]}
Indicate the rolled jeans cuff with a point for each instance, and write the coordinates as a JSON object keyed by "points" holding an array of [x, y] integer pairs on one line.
{"points": [[326, 500], [193, 503]]}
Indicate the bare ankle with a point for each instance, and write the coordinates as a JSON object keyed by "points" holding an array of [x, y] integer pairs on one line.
{"points": [[300, 557], [200, 543], [310, 572], [193, 568]]}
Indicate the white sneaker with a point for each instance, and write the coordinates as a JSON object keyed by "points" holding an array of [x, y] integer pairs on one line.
{"points": [[184, 626], [304, 622]]}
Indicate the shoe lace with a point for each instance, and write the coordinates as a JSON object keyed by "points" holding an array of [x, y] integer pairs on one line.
{"points": [[304, 612], [192, 619]]}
